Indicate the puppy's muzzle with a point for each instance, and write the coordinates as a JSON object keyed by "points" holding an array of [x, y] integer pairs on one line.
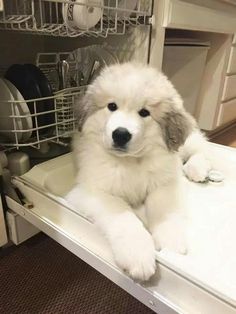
{"points": [[121, 137]]}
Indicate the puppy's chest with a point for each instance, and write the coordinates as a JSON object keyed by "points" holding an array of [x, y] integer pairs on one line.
{"points": [[132, 182]]}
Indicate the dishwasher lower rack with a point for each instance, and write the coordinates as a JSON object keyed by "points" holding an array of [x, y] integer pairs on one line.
{"points": [[30, 123], [72, 18], [174, 288]]}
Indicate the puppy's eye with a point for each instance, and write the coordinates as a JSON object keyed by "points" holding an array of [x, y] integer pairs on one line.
{"points": [[144, 113], [112, 106]]}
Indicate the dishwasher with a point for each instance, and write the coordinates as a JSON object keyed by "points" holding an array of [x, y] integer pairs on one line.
{"points": [[66, 43]]}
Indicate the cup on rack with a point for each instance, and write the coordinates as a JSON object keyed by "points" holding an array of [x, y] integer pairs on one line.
{"points": [[81, 15]]}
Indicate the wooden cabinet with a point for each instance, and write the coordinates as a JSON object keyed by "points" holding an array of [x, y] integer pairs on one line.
{"points": [[227, 112], [3, 232], [231, 69], [199, 15], [229, 90], [212, 21], [227, 109]]}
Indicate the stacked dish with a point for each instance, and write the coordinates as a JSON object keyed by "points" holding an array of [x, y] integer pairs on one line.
{"points": [[11, 128], [21, 119], [85, 14], [82, 15]]}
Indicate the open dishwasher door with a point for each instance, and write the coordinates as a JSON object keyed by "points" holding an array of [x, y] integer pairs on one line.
{"points": [[203, 281]]}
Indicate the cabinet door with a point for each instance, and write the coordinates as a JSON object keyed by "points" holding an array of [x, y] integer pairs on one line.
{"points": [[199, 15], [229, 91], [232, 61], [227, 112], [3, 233]]}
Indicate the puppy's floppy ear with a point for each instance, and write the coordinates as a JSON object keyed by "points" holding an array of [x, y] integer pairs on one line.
{"points": [[176, 124]]}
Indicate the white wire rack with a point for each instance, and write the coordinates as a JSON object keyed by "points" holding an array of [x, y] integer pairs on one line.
{"points": [[48, 61], [35, 125], [74, 18]]}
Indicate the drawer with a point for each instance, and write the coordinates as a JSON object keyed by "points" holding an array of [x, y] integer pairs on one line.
{"points": [[19, 229], [229, 90], [232, 61], [191, 15], [3, 232], [227, 112], [234, 39]]}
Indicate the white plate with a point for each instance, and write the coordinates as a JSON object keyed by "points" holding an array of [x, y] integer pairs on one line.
{"points": [[79, 16], [27, 123], [6, 123]]}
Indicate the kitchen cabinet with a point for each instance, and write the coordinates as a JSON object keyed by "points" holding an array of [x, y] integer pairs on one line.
{"points": [[226, 112], [3, 230], [229, 88], [231, 69], [212, 21]]}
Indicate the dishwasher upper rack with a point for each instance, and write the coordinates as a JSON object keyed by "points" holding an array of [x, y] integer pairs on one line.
{"points": [[57, 17], [33, 127]]}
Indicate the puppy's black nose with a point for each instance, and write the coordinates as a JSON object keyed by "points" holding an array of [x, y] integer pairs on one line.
{"points": [[121, 136]]}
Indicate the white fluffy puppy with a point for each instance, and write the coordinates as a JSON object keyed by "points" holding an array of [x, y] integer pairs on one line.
{"points": [[132, 125]]}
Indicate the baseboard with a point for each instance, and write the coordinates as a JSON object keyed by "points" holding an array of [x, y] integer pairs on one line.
{"points": [[221, 130]]}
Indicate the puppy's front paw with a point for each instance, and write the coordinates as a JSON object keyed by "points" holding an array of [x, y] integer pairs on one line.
{"points": [[136, 256], [197, 168], [171, 234]]}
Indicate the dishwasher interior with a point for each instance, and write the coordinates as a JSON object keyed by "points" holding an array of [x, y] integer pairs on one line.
{"points": [[35, 138]]}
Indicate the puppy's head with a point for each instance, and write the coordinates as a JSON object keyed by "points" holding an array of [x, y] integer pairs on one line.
{"points": [[130, 108]]}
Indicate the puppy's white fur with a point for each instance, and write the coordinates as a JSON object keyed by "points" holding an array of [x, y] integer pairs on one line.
{"points": [[112, 185]]}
